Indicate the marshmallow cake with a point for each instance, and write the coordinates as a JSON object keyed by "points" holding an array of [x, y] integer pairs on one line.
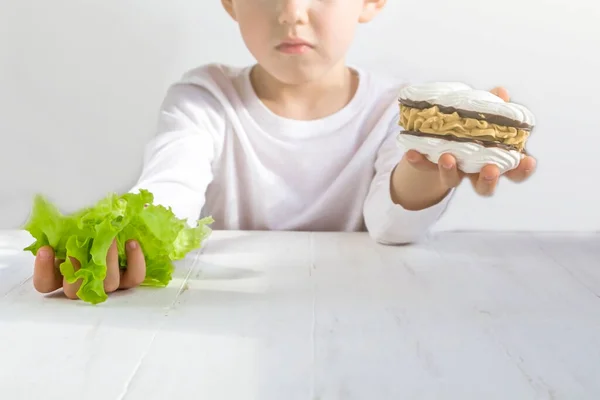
{"points": [[475, 126]]}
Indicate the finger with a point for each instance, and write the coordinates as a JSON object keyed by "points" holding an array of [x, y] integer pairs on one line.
{"points": [[449, 173], [71, 289], [485, 183], [525, 169], [46, 277], [113, 275], [135, 273], [501, 92], [419, 161]]}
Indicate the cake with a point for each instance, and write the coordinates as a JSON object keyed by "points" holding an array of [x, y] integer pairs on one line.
{"points": [[475, 126]]}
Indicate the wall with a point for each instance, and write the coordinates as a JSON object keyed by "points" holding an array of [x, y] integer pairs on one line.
{"points": [[80, 83]]}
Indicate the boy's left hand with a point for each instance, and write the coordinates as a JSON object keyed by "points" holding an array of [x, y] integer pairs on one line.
{"points": [[430, 182], [484, 182]]}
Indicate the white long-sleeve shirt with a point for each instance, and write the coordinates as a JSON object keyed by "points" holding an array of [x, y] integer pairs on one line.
{"points": [[220, 151]]}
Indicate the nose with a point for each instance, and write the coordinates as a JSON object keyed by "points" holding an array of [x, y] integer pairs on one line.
{"points": [[292, 12]]}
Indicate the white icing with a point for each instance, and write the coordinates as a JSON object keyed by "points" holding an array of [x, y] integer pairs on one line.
{"points": [[461, 96], [470, 157], [430, 92]]}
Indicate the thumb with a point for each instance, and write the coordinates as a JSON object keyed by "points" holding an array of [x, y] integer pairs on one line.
{"points": [[419, 161]]}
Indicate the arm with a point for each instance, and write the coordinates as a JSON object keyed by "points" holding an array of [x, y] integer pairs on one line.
{"points": [[178, 161], [403, 203]]}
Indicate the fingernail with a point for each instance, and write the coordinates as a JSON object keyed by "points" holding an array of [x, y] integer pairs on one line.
{"points": [[411, 157], [44, 254], [447, 165], [132, 245], [489, 178]]}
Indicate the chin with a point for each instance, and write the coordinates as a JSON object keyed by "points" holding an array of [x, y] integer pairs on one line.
{"points": [[300, 78], [296, 71]]}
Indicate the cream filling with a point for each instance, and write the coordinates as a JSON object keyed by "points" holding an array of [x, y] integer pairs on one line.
{"points": [[432, 121]]}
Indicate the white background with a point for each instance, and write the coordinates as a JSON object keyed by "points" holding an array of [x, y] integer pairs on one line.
{"points": [[81, 81]]}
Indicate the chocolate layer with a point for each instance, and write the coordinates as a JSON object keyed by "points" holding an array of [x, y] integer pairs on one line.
{"points": [[485, 143], [491, 118]]}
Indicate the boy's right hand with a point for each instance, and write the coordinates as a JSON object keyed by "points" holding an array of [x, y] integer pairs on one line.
{"points": [[47, 277]]}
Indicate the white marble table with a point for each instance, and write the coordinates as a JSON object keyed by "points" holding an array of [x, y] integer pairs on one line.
{"points": [[288, 316]]}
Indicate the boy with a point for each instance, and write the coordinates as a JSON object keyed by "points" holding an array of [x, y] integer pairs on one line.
{"points": [[300, 141]]}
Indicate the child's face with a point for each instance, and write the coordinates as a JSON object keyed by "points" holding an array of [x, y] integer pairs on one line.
{"points": [[297, 41]]}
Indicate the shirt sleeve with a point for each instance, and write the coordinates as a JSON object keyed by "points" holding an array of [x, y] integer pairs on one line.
{"points": [[177, 166], [387, 222]]}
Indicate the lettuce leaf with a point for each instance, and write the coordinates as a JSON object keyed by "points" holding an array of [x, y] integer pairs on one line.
{"points": [[86, 236]]}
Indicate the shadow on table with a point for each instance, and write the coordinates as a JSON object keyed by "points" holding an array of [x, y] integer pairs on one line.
{"points": [[138, 308]]}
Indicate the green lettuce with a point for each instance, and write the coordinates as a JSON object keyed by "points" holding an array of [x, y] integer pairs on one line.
{"points": [[86, 236]]}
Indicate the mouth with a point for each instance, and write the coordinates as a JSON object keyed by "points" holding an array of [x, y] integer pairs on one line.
{"points": [[294, 46]]}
